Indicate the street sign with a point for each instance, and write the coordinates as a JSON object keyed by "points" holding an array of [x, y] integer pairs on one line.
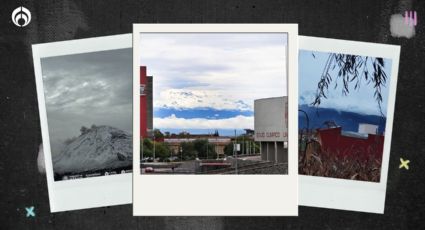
{"points": [[237, 147]]}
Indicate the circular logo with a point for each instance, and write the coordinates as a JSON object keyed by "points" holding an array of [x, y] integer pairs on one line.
{"points": [[21, 16]]}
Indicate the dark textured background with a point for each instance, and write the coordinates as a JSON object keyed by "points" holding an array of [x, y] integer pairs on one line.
{"points": [[21, 185]]}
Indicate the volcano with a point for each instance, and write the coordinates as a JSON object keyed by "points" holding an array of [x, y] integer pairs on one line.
{"points": [[97, 148]]}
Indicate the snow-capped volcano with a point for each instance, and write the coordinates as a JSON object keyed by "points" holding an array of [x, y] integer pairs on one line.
{"points": [[100, 147]]}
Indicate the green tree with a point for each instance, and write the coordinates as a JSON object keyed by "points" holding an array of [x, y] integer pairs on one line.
{"points": [[204, 149], [158, 134], [183, 134], [146, 147], [188, 151], [162, 150], [255, 148], [216, 134], [228, 149]]}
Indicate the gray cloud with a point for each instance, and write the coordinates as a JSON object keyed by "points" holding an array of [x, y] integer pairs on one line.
{"points": [[86, 89]]}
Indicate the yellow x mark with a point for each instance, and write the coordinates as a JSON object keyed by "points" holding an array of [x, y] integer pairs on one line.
{"points": [[404, 163]]}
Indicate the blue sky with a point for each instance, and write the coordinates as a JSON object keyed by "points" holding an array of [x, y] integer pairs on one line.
{"points": [[360, 101], [208, 81]]}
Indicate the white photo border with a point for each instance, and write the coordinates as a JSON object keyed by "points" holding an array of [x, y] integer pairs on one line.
{"points": [[280, 192], [85, 192], [346, 194]]}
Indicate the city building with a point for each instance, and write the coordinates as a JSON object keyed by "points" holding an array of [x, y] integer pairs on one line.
{"points": [[368, 128], [146, 103], [271, 128], [344, 143]]}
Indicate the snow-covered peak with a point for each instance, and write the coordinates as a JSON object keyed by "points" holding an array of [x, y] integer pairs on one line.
{"points": [[97, 148]]}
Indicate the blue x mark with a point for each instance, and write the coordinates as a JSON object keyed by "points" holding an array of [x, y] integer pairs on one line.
{"points": [[30, 211]]}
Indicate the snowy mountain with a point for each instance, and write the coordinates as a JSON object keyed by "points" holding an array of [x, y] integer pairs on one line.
{"points": [[349, 121], [97, 148]]}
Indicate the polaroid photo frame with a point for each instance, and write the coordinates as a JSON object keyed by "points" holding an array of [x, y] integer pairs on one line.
{"points": [[359, 192], [216, 195], [96, 189]]}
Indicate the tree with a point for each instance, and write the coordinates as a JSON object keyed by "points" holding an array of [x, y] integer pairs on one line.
{"points": [[228, 149], [255, 148], [204, 149], [183, 134], [147, 148], [162, 150], [158, 134], [188, 151], [216, 134], [352, 68]]}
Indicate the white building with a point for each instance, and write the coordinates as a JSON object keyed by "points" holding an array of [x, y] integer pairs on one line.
{"points": [[368, 128], [271, 128]]}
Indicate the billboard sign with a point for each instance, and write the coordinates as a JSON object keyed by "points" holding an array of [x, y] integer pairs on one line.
{"points": [[271, 119]]}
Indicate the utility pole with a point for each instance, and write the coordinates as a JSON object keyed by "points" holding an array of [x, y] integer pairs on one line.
{"points": [[236, 154], [154, 147], [142, 148], [141, 160], [243, 144]]}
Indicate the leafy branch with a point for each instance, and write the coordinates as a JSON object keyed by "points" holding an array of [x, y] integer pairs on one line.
{"points": [[352, 69]]}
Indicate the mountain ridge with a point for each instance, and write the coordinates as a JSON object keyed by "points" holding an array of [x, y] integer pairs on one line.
{"points": [[349, 121], [100, 147]]}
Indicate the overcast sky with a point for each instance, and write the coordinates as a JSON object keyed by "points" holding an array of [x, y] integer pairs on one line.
{"points": [[85, 89], [360, 100], [210, 80]]}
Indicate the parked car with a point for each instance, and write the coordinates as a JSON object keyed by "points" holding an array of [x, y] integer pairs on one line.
{"points": [[149, 170]]}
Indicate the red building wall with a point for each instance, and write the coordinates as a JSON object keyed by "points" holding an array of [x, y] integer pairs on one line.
{"points": [[143, 103], [332, 141]]}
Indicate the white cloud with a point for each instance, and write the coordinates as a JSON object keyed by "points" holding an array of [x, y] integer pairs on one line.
{"points": [[237, 67], [85, 89], [187, 99], [173, 122], [351, 102]]}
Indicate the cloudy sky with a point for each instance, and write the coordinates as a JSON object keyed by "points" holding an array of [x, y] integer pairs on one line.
{"points": [[359, 101], [209, 81], [85, 89]]}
